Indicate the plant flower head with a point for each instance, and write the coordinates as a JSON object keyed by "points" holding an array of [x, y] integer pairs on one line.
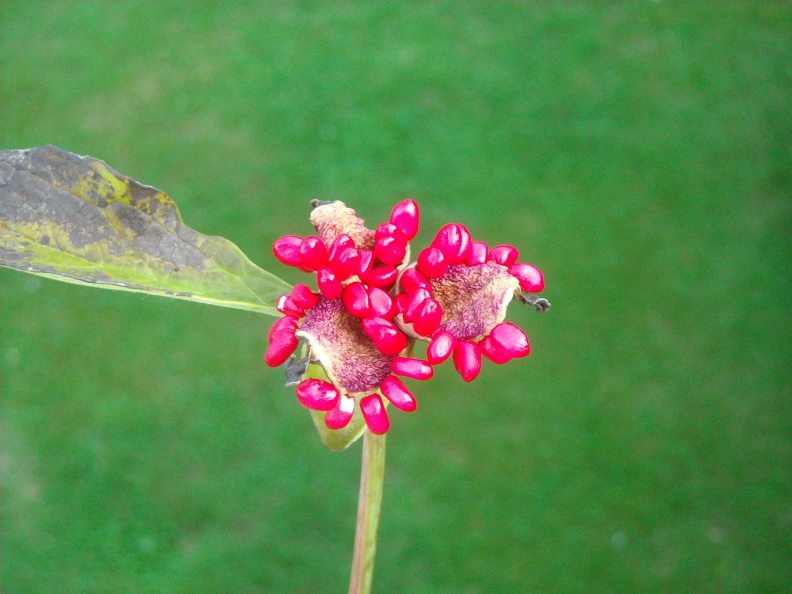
{"points": [[371, 305]]}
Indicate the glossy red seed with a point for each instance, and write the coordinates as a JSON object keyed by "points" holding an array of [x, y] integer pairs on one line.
{"points": [[493, 352], [374, 414], [467, 359], [317, 394], [505, 255], [390, 230], [390, 250], [530, 277], [303, 297], [346, 262], [427, 317], [339, 417], [415, 300], [329, 283], [313, 253], [401, 302], [282, 341], [414, 368], [339, 243], [432, 263], [411, 280], [388, 339], [478, 253], [406, 216], [441, 347], [381, 303], [454, 241], [394, 390], [366, 263], [285, 304], [287, 250], [356, 300], [382, 277], [511, 339]]}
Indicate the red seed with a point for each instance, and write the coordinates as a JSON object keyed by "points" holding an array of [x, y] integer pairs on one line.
{"points": [[454, 241], [285, 304], [530, 277], [427, 317], [467, 359], [382, 277], [287, 250], [511, 339], [366, 263], [374, 414], [441, 347], [282, 341], [394, 390], [390, 230], [493, 352], [415, 300], [339, 417], [317, 394], [339, 243], [381, 303], [411, 280], [329, 283], [406, 216], [432, 263], [401, 302], [505, 255], [414, 368], [388, 339], [390, 250], [313, 253], [356, 300], [303, 297], [477, 254], [346, 262]]}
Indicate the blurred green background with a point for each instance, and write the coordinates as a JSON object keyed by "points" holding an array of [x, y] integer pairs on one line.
{"points": [[639, 152]]}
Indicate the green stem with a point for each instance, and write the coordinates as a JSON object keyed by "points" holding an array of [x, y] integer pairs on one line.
{"points": [[372, 474]]}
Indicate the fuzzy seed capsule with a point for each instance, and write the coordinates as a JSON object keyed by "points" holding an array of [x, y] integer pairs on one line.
{"points": [[467, 359], [374, 414], [317, 394]]}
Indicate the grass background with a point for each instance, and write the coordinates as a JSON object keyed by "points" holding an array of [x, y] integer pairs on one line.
{"points": [[639, 152]]}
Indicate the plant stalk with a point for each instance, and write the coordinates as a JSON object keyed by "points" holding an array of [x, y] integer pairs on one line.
{"points": [[372, 474]]}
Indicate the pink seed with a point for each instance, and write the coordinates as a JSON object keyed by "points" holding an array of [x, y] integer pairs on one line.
{"points": [[412, 280], [530, 277], [415, 300], [339, 417], [287, 250], [382, 277], [432, 263], [285, 304], [505, 255], [356, 300], [282, 341], [427, 317], [401, 302], [381, 303], [414, 368], [390, 250], [406, 216], [346, 262], [390, 230], [339, 243], [511, 339], [329, 283], [493, 352], [317, 394], [454, 241], [441, 347], [366, 263], [388, 339], [394, 390], [313, 253], [477, 254], [467, 359], [303, 297], [374, 414]]}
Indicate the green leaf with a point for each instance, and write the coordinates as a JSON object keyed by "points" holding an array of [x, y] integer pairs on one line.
{"points": [[335, 439], [75, 219]]}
